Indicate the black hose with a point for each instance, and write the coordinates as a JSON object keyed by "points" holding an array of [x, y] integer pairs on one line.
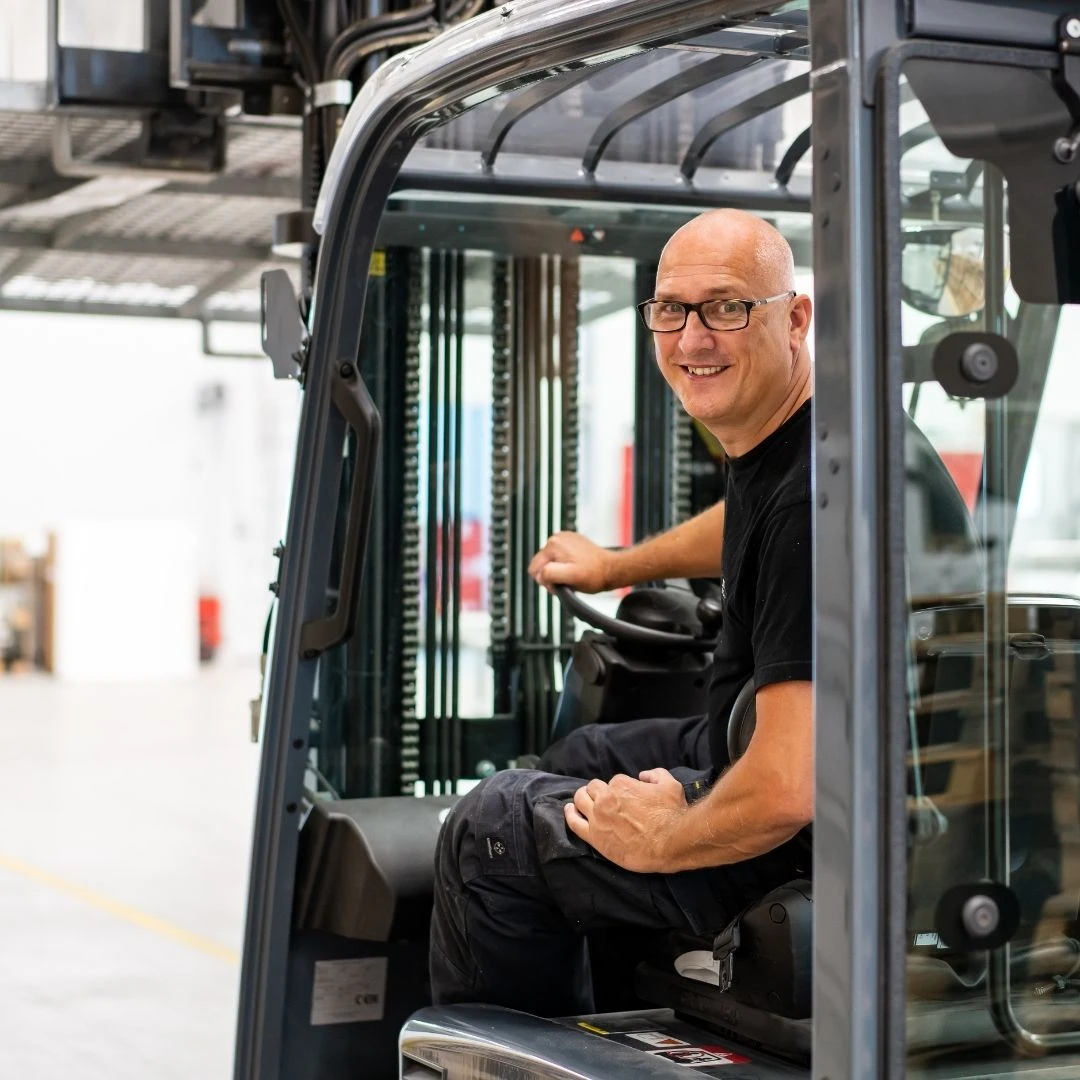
{"points": [[362, 28], [346, 50], [349, 58], [309, 67]]}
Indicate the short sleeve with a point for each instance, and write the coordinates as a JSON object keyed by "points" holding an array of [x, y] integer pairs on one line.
{"points": [[782, 631]]}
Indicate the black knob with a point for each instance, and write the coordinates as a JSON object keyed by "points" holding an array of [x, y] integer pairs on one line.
{"points": [[979, 362], [977, 917], [710, 614], [980, 916]]}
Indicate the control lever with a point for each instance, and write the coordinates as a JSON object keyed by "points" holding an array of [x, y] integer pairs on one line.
{"points": [[1067, 83], [710, 613]]}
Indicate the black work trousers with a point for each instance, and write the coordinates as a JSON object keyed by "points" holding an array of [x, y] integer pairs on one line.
{"points": [[516, 891]]}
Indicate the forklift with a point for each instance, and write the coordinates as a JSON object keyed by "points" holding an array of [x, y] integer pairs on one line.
{"points": [[494, 203]]}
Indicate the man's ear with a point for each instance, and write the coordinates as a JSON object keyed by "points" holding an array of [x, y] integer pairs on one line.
{"points": [[800, 315]]}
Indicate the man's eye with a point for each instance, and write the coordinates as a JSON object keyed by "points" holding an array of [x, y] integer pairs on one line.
{"points": [[727, 307], [672, 307]]}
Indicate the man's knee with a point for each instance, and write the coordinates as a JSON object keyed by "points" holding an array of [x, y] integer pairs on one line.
{"points": [[507, 827], [455, 848], [488, 831]]}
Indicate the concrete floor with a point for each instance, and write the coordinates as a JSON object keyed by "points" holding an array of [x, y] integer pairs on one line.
{"points": [[123, 874]]}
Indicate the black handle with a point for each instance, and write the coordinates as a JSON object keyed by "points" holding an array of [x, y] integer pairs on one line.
{"points": [[352, 400]]}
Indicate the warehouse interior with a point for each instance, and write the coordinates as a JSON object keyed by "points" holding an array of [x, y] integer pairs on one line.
{"points": [[148, 455], [160, 165]]}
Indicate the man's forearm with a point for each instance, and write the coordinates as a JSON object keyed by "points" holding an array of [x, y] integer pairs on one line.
{"points": [[744, 816], [689, 550]]}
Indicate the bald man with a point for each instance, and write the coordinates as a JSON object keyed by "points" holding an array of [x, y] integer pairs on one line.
{"points": [[647, 823]]}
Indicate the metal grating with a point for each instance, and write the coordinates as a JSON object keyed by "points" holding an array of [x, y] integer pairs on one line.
{"points": [[109, 270], [27, 135], [24, 135], [93, 139], [136, 243], [192, 217], [262, 150]]}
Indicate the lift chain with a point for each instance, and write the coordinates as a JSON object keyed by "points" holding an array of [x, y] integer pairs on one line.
{"points": [[569, 316], [681, 451], [410, 530], [500, 458]]}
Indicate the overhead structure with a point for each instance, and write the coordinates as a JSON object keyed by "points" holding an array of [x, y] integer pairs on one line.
{"points": [[162, 180]]}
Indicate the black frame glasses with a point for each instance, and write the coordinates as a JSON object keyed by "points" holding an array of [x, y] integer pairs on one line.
{"points": [[747, 305]]}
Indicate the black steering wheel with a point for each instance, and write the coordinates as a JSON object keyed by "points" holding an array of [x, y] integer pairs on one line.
{"points": [[628, 631]]}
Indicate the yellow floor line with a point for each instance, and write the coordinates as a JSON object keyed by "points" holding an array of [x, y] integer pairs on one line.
{"points": [[120, 911]]}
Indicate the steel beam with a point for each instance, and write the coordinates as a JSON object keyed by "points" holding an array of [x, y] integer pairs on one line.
{"points": [[858, 992]]}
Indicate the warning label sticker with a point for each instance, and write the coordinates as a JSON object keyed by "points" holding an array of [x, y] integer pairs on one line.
{"points": [[347, 991], [675, 1041], [656, 1038], [701, 1056]]}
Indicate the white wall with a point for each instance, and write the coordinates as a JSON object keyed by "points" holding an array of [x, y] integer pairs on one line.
{"points": [[101, 431], [102, 24], [124, 609]]}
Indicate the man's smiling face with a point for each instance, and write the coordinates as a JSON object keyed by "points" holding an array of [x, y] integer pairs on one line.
{"points": [[732, 381]]}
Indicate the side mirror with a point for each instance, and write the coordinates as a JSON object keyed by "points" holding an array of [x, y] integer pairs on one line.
{"points": [[942, 270], [283, 332]]}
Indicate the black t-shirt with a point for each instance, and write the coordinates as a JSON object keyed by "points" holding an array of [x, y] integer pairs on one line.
{"points": [[767, 573]]}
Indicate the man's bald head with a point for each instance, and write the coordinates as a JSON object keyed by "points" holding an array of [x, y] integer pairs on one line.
{"points": [[738, 240], [740, 383]]}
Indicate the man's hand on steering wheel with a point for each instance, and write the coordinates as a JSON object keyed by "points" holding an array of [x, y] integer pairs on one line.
{"points": [[568, 558]]}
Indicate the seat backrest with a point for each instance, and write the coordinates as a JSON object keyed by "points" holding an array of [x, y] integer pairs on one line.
{"points": [[366, 867]]}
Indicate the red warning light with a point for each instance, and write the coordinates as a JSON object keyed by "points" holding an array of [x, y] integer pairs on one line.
{"points": [[577, 236]]}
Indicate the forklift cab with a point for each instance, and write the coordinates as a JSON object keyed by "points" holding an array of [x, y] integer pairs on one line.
{"points": [[474, 380]]}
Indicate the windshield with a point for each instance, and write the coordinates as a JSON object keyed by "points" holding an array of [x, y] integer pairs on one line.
{"points": [[518, 389]]}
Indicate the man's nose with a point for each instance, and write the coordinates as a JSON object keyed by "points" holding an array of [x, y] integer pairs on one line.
{"points": [[695, 335]]}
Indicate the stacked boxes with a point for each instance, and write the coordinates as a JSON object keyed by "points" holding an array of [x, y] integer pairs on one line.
{"points": [[25, 608]]}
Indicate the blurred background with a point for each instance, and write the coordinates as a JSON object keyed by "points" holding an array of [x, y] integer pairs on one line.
{"points": [[146, 453]]}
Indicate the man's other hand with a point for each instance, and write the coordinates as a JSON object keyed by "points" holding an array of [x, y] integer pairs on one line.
{"points": [[568, 558], [630, 821]]}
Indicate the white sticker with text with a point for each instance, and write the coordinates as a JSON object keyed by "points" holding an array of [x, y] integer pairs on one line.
{"points": [[347, 991]]}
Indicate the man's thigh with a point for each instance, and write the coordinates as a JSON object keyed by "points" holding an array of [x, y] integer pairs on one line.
{"points": [[511, 842], [513, 848], [599, 751]]}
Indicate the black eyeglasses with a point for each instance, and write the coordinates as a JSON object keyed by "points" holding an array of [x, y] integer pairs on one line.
{"points": [[668, 316]]}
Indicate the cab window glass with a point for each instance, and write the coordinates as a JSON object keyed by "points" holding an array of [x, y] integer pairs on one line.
{"points": [[992, 567]]}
